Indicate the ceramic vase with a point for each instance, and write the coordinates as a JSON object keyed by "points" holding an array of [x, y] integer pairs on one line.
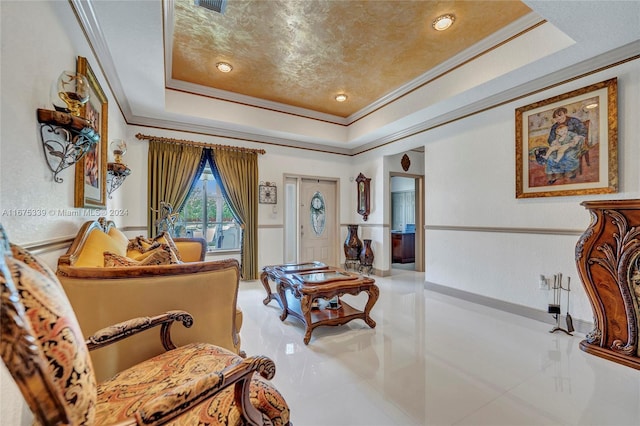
{"points": [[352, 245], [366, 254]]}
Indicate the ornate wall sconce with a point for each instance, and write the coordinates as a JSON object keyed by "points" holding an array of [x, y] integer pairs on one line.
{"points": [[66, 137], [117, 171]]}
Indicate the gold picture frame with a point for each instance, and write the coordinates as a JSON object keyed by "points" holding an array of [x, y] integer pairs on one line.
{"points": [[91, 170], [581, 157]]}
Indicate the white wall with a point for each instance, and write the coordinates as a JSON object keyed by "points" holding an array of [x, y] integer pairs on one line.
{"points": [[470, 181], [378, 165], [39, 40], [469, 168]]}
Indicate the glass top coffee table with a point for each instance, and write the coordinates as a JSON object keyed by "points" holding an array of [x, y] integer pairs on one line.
{"points": [[273, 272], [303, 291]]}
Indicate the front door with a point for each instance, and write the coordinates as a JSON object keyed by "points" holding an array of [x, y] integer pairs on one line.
{"points": [[318, 212]]}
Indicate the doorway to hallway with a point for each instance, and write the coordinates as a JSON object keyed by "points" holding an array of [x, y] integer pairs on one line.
{"points": [[407, 222]]}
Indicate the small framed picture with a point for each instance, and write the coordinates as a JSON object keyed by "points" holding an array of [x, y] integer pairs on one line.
{"points": [[567, 145], [268, 193]]}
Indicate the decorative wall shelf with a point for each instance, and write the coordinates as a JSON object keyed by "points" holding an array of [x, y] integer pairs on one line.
{"points": [[65, 139], [116, 174]]}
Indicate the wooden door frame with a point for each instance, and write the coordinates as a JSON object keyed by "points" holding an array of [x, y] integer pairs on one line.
{"points": [[419, 216], [335, 231]]}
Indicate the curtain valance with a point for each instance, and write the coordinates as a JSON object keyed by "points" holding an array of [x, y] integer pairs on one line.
{"points": [[199, 144]]}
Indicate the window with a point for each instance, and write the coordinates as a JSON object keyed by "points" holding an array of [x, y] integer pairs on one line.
{"points": [[215, 222]]}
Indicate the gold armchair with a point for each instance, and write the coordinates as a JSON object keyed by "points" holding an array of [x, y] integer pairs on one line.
{"points": [[43, 348], [101, 296]]}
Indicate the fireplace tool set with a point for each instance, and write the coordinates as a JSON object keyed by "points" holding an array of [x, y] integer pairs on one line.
{"points": [[554, 308]]}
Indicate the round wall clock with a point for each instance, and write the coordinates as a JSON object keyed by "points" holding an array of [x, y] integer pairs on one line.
{"points": [[268, 193]]}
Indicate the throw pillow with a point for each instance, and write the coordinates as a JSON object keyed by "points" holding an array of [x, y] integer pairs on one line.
{"points": [[161, 255], [140, 245], [119, 236], [97, 243]]}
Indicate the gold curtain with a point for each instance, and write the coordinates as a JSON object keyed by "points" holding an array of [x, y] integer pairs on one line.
{"points": [[238, 172], [172, 169]]}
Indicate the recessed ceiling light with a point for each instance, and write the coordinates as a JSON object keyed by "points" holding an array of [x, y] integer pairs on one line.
{"points": [[341, 97], [443, 22], [224, 67]]}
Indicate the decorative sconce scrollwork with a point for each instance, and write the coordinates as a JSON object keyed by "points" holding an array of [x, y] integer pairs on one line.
{"points": [[65, 139], [117, 171], [116, 174]]}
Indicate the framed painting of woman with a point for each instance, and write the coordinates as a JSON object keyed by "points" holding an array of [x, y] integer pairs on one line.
{"points": [[567, 145]]}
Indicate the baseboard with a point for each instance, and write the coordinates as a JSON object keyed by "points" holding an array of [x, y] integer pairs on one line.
{"points": [[580, 326]]}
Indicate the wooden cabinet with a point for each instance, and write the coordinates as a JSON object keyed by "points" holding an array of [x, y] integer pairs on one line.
{"points": [[608, 261], [403, 247]]}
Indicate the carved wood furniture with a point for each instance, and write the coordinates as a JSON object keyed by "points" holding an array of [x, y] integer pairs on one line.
{"points": [[274, 271], [101, 296], [43, 348], [403, 247], [608, 261], [304, 295]]}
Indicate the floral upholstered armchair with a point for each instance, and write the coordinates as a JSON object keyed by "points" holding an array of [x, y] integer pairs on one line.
{"points": [[45, 352]]}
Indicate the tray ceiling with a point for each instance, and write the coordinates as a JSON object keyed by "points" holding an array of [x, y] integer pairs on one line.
{"points": [[304, 53]]}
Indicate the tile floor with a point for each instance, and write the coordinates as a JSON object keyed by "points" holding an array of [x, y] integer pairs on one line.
{"points": [[436, 360]]}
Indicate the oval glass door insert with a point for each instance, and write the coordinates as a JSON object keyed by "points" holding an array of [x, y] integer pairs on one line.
{"points": [[317, 213]]}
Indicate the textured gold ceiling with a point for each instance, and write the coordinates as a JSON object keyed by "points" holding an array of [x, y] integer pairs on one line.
{"points": [[303, 53]]}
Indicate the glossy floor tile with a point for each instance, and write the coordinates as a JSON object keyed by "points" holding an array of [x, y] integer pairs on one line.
{"points": [[435, 360]]}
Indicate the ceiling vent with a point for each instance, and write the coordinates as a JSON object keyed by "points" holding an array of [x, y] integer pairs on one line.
{"points": [[215, 5]]}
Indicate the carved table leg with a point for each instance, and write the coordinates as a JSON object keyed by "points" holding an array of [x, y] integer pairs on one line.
{"points": [[283, 301], [373, 293], [305, 306], [264, 278]]}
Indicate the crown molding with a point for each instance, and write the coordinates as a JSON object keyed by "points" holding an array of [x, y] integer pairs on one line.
{"points": [[486, 45], [219, 132], [88, 21], [250, 101], [582, 69]]}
